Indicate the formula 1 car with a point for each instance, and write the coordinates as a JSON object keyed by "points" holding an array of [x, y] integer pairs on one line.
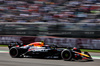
{"points": [[38, 49]]}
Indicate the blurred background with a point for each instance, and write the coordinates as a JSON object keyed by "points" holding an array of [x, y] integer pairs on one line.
{"points": [[61, 11], [66, 30], [61, 18], [51, 18]]}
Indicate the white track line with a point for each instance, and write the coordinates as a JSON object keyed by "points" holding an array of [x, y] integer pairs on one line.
{"points": [[96, 57]]}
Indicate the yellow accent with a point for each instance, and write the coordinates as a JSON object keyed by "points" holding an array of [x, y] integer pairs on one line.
{"points": [[84, 55], [39, 44]]}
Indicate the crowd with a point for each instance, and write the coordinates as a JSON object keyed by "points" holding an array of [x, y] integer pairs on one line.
{"points": [[67, 11]]}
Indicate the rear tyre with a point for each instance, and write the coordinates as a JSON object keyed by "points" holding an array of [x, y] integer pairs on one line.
{"points": [[66, 55], [14, 52]]}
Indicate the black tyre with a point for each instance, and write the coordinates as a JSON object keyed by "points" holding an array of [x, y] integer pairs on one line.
{"points": [[66, 55], [14, 52]]}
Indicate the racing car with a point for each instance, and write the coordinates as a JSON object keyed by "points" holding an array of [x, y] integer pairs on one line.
{"points": [[39, 49]]}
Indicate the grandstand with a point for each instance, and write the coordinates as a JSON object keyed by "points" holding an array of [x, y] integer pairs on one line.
{"points": [[68, 11], [61, 18]]}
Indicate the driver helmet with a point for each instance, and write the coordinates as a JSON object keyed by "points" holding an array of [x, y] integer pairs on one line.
{"points": [[74, 48]]}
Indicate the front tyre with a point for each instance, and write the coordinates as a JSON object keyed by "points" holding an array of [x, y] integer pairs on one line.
{"points": [[66, 55], [14, 52]]}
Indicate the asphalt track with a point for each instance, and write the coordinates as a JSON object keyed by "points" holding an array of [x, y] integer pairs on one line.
{"points": [[6, 60]]}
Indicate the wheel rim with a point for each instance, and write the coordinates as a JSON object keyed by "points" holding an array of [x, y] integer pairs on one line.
{"points": [[66, 55], [13, 52]]}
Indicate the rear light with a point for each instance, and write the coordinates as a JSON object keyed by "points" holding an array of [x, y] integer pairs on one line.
{"points": [[24, 45], [17, 45], [29, 49]]}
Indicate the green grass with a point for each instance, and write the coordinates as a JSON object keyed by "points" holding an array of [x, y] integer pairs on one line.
{"points": [[89, 50], [3, 45]]}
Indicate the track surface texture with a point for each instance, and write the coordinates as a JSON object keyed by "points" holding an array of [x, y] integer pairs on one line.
{"points": [[6, 60]]}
